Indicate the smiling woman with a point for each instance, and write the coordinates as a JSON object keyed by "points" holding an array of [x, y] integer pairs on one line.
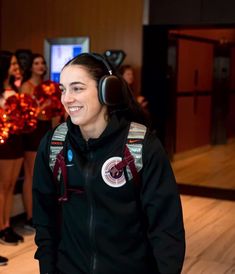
{"points": [[108, 223], [80, 99]]}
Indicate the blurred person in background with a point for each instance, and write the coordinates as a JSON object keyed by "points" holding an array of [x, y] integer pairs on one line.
{"points": [[32, 78], [127, 72], [11, 152]]}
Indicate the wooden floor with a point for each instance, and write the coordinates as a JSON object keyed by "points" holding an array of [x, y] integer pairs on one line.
{"points": [[209, 223], [215, 167], [20, 257], [210, 236]]}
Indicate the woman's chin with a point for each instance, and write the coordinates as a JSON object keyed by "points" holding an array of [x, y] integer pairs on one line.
{"points": [[75, 120]]}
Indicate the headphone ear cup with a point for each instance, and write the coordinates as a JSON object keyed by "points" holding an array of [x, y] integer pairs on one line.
{"points": [[110, 91]]}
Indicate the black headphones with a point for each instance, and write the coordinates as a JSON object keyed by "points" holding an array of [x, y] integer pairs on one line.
{"points": [[110, 87]]}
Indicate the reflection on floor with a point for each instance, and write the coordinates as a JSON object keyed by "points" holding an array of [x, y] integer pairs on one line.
{"points": [[212, 168], [210, 236], [21, 256]]}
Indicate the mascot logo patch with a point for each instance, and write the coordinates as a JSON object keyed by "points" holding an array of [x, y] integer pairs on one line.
{"points": [[111, 175]]}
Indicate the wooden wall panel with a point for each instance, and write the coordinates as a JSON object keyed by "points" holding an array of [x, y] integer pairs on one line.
{"points": [[193, 130], [109, 24], [0, 23], [194, 56], [194, 89]]}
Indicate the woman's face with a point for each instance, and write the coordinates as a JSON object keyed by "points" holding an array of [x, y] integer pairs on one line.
{"points": [[38, 66], [80, 98], [14, 67], [128, 75]]}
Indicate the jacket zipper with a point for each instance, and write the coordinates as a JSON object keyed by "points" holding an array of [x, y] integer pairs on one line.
{"points": [[91, 221]]}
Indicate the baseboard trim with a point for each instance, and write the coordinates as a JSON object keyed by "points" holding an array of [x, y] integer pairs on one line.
{"points": [[208, 192]]}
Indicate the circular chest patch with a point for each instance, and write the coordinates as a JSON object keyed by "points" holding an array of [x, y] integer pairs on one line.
{"points": [[111, 175]]}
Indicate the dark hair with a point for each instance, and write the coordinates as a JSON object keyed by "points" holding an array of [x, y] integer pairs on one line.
{"points": [[28, 72], [97, 68], [5, 63], [23, 56]]}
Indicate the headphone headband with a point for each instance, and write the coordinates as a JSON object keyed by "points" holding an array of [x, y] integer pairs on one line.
{"points": [[110, 87], [101, 58]]}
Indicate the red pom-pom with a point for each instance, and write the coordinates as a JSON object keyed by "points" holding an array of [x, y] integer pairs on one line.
{"points": [[4, 130], [48, 95], [21, 112], [29, 112]]}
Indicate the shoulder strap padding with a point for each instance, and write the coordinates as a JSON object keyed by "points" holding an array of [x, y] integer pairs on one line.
{"points": [[134, 143], [57, 143]]}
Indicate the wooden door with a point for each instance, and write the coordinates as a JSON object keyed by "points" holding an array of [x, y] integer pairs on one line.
{"points": [[193, 94]]}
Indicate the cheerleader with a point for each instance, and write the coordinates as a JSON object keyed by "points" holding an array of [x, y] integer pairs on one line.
{"points": [[11, 152], [33, 78]]}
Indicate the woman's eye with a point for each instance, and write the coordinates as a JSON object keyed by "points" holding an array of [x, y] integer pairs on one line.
{"points": [[77, 89], [62, 90]]}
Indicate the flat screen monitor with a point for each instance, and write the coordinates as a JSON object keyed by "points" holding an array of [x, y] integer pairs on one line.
{"points": [[58, 51]]}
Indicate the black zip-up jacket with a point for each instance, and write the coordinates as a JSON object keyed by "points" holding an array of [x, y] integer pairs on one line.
{"points": [[105, 229]]}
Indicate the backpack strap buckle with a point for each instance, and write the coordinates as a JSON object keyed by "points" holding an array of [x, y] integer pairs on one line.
{"points": [[60, 168]]}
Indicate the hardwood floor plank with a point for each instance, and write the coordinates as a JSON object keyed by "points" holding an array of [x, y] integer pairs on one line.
{"points": [[199, 266], [20, 257], [210, 240], [214, 167], [210, 235]]}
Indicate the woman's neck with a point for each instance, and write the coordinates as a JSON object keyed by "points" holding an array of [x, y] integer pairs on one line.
{"points": [[94, 131], [35, 79], [6, 84]]}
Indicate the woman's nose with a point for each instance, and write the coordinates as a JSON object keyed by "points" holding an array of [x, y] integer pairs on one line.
{"points": [[68, 96]]}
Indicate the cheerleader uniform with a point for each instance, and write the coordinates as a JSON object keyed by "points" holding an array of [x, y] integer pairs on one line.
{"points": [[32, 139], [11, 149], [13, 146]]}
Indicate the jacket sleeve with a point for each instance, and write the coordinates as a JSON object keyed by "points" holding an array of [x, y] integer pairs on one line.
{"points": [[162, 208], [45, 210]]}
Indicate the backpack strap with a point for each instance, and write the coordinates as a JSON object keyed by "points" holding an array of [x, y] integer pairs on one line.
{"points": [[57, 143], [56, 158], [132, 155], [133, 152], [57, 161], [60, 169]]}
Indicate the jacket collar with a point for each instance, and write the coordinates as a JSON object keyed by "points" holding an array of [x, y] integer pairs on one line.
{"points": [[114, 127]]}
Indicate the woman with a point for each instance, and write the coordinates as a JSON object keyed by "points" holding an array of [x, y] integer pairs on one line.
{"points": [[31, 141], [106, 224], [11, 152], [127, 73]]}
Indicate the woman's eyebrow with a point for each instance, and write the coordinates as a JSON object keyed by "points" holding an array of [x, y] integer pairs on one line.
{"points": [[72, 84], [76, 83]]}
